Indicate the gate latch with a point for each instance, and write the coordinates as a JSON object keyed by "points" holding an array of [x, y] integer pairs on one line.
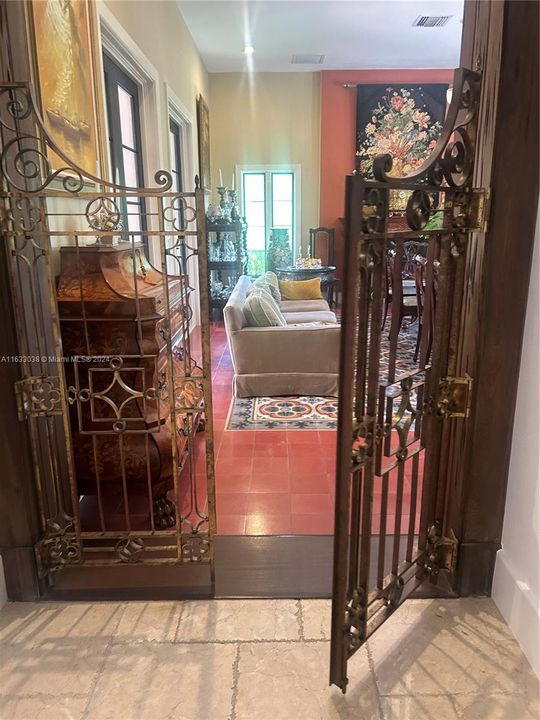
{"points": [[441, 551], [455, 397]]}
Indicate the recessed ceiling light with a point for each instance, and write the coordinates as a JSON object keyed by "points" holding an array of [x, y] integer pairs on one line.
{"points": [[249, 50]]}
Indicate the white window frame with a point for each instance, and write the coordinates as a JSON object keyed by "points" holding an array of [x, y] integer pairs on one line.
{"points": [[296, 171], [183, 118]]}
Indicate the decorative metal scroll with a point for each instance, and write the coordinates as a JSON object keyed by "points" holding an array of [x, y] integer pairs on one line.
{"points": [[389, 479], [115, 369]]}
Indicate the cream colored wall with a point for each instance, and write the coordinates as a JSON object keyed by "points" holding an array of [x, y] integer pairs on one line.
{"points": [[268, 118]]}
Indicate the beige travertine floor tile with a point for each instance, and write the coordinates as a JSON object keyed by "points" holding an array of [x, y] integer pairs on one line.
{"points": [[422, 707], [224, 620], [316, 619], [454, 647], [497, 707], [458, 707], [148, 621], [163, 681], [289, 681], [54, 668], [32, 624], [42, 708]]}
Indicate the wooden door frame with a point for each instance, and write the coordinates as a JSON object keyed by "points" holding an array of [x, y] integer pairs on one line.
{"points": [[492, 332], [498, 269]]}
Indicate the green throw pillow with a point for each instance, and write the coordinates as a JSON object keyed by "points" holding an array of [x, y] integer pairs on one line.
{"points": [[261, 310]]}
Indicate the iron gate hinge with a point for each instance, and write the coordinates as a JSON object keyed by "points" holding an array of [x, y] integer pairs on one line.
{"points": [[38, 396], [475, 206], [455, 397], [441, 551]]}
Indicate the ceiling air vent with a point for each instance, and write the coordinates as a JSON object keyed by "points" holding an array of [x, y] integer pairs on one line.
{"points": [[306, 59], [431, 20]]}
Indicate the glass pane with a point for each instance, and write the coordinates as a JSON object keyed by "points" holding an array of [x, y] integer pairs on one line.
{"points": [[256, 238], [130, 168], [134, 216], [125, 102], [282, 213], [282, 186], [253, 187], [255, 213], [173, 151]]}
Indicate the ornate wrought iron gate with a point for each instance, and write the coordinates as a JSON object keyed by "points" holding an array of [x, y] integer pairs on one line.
{"points": [[115, 376], [396, 403]]}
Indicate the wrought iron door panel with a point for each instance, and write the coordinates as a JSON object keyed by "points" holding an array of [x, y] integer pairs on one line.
{"points": [[397, 390], [115, 379]]}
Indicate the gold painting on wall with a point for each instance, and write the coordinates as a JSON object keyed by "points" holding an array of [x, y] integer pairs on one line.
{"points": [[63, 33]]}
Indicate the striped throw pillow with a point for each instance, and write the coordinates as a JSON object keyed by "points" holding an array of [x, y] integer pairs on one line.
{"points": [[261, 310]]}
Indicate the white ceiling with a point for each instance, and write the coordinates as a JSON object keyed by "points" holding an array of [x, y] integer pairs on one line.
{"points": [[352, 34]]}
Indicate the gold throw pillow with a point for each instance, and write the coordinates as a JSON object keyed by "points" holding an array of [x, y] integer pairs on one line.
{"points": [[300, 289]]}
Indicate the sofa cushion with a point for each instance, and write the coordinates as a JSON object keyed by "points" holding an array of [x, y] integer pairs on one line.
{"points": [[261, 310], [303, 305], [322, 316], [300, 289], [273, 284], [269, 282], [233, 313]]}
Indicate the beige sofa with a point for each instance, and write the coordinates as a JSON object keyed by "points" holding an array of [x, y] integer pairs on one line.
{"points": [[299, 359]]}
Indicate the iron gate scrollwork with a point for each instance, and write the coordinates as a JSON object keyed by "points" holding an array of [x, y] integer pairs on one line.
{"points": [[390, 479], [114, 353]]}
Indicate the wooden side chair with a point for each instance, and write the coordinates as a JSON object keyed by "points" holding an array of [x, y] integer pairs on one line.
{"points": [[423, 298], [322, 245]]}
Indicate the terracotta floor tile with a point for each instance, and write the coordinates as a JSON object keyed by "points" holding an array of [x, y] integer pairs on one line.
{"points": [[307, 464], [269, 504], [312, 483], [306, 450], [234, 449], [270, 451], [301, 437], [311, 504], [242, 437], [275, 465], [268, 525], [264, 482], [232, 503], [231, 524], [312, 524], [233, 466], [233, 484]]}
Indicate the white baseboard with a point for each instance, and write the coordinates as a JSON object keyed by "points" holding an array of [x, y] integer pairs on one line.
{"points": [[520, 608]]}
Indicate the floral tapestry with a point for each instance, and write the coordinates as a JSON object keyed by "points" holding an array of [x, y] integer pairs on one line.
{"points": [[403, 121]]}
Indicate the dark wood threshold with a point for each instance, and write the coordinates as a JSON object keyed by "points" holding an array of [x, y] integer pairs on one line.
{"points": [[291, 566]]}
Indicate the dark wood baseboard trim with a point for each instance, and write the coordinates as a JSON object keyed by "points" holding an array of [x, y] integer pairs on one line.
{"points": [[20, 573], [476, 565]]}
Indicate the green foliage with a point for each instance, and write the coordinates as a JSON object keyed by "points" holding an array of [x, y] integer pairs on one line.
{"points": [[255, 266]]}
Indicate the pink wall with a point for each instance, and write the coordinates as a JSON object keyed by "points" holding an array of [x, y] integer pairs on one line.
{"points": [[338, 132]]}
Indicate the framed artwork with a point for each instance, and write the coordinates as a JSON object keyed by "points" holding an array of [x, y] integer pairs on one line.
{"points": [[66, 59], [404, 121], [203, 133]]}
